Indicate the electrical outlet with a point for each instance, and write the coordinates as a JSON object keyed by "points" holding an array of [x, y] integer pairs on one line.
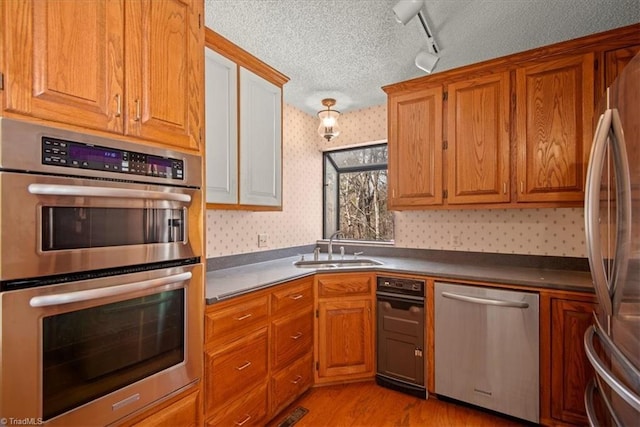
{"points": [[263, 240], [455, 240]]}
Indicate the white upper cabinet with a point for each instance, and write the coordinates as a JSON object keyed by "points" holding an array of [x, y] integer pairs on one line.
{"points": [[221, 118], [260, 141], [243, 105]]}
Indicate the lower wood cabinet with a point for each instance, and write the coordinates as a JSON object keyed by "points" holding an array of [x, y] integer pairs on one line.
{"points": [[570, 369], [291, 343], [289, 383], [345, 348], [248, 410], [235, 369], [182, 410], [264, 349], [258, 354], [564, 368]]}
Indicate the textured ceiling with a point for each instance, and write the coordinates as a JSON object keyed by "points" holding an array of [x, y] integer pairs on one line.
{"points": [[349, 49]]}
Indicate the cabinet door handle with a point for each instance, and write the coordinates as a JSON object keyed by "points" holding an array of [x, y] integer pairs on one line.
{"points": [[522, 186], [246, 316], [504, 188], [296, 336], [138, 116], [243, 422], [118, 105], [295, 297], [296, 380], [245, 366]]}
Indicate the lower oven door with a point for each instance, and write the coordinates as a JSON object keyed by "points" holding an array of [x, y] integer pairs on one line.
{"points": [[400, 339], [95, 351]]}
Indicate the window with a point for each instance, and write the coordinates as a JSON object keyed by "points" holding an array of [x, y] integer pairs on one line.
{"points": [[355, 194]]}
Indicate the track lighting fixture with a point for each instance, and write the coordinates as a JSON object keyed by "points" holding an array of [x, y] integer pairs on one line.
{"points": [[404, 11]]}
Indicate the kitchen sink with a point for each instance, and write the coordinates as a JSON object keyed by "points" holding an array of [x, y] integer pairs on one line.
{"points": [[337, 263]]}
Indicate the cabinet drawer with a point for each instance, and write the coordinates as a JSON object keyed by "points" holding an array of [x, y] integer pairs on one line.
{"points": [[235, 369], [292, 337], [236, 317], [292, 297], [183, 412], [345, 285], [291, 382], [248, 410]]}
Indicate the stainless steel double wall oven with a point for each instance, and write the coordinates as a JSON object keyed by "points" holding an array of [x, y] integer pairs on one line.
{"points": [[100, 275]]}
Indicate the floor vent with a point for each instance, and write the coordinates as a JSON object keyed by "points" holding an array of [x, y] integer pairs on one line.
{"points": [[294, 417]]}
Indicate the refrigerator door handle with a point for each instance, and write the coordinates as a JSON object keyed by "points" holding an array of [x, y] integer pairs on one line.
{"points": [[603, 371], [588, 404], [623, 210], [594, 387], [592, 211]]}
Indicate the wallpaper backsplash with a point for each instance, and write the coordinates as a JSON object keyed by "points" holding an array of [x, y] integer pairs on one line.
{"points": [[556, 232]]}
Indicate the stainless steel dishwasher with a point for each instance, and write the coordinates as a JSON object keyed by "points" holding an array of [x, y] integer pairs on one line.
{"points": [[487, 348]]}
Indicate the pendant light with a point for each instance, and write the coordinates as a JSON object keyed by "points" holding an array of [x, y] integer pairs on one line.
{"points": [[328, 128]]}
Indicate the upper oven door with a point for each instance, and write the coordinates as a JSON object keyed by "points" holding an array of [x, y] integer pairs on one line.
{"points": [[56, 225]]}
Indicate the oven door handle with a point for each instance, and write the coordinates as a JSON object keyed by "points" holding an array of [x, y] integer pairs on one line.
{"points": [[92, 294], [88, 191]]}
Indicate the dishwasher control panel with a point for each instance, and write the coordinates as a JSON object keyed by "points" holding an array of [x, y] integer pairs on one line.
{"points": [[397, 285]]}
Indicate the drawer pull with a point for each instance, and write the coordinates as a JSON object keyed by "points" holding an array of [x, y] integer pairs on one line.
{"points": [[243, 422], [296, 380], [246, 316], [296, 297], [296, 336], [246, 365]]}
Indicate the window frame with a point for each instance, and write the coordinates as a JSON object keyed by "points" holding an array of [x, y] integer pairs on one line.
{"points": [[326, 156]]}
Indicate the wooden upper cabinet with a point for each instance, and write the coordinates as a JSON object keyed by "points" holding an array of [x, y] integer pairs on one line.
{"points": [[478, 140], [554, 102], [415, 148], [616, 60], [64, 61], [164, 71], [130, 67]]}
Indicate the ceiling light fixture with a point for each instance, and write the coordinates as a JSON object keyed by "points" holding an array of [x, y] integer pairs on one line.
{"points": [[404, 11], [328, 128]]}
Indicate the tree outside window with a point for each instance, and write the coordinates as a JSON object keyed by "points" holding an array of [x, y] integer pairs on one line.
{"points": [[355, 193]]}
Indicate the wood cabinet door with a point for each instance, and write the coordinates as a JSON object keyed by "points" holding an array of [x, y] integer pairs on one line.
{"points": [[345, 339], [554, 106], [415, 149], [616, 60], [478, 140], [164, 57], [570, 369], [64, 61], [260, 141]]}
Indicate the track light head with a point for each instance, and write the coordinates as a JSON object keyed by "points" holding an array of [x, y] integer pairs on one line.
{"points": [[405, 10], [426, 61]]}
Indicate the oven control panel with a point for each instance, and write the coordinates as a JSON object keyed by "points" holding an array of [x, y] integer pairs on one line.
{"points": [[71, 154], [402, 286]]}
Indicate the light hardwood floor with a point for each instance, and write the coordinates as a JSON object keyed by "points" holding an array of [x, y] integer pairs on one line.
{"points": [[366, 404]]}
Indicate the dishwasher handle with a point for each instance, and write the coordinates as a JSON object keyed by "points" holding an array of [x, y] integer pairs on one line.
{"points": [[485, 301]]}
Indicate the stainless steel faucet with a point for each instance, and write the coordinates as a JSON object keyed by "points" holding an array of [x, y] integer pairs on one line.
{"points": [[330, 248]]}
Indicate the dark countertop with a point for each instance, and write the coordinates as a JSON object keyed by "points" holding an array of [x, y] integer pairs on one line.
{"points": [[226, 283]]}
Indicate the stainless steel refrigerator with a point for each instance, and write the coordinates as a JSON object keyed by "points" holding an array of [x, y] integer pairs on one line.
{"points": [[612, 226]]}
